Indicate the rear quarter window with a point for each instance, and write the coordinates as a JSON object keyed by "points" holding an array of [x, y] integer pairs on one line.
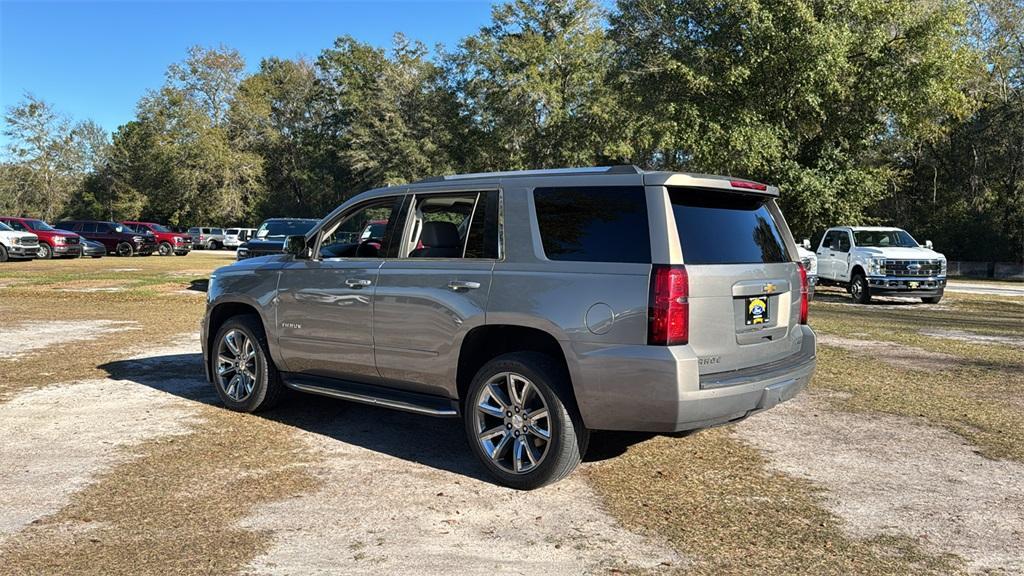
{"points": [[724, 228], [594, 224]]}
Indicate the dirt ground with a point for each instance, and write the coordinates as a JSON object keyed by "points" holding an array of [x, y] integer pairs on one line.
{"points": [[902, 458]]}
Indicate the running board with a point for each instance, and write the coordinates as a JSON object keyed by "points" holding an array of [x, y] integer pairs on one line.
{"points": [[373, 395]]}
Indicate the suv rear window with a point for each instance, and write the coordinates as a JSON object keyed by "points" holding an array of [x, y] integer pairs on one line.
{"points": [[723, 228], [594, 224]]}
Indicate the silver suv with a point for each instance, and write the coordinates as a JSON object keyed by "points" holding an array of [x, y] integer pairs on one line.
{"points": [[535, 305]]}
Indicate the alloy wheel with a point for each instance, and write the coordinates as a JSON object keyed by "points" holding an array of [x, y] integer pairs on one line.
{"points": [[512, 422], [236, 365], [165, 249]]}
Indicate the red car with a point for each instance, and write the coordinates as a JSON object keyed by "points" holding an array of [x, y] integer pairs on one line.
{"points": [[168, 241], [52, 242]]}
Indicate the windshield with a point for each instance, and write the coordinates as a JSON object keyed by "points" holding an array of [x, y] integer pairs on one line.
{"points": [[284, 228], [39, 225], [159, 228], [5, 227], [884, 238]]}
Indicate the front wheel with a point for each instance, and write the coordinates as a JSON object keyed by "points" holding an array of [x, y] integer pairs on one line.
{"points": [[521, 422], [125, 249], [859, 289], [166, 249], [932, 299], [45, 252], [3, 253], [243, 373]]}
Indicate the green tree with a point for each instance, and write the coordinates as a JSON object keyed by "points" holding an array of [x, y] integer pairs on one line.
{"points": [[45, 158], [533, 82], [817, 95], [389, 117]]}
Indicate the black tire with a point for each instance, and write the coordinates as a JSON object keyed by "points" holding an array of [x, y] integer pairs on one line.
{"points": [[267, 390], [125, 249], [859, 289], [3, 253], [166, 249], [568, 436], [181, 253], [932, 299], [45, 251], [214, 245], [98, 256]]}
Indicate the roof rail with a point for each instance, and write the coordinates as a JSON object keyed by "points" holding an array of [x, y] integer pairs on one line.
{"points": [[618, 169]]}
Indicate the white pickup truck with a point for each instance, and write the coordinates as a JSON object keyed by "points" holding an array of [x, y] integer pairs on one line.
{"points": [[14, 244], [880, 261]]}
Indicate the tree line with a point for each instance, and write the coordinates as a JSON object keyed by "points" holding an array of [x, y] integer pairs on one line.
{"points": [[904, 112]]}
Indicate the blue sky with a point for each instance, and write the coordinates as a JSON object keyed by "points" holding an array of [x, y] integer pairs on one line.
{"points": [[95, 59]]}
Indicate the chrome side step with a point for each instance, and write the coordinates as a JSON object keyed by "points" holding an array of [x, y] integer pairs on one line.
{"points": [[373, 395]]}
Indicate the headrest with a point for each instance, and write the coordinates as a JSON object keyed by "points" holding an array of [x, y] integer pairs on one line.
{"points": [[440, 234]]}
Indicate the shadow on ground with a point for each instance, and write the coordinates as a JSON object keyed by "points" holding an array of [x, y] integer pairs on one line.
{"points": [[436, 442]]}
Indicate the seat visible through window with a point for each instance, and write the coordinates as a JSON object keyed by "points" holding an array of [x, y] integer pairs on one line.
{"points": [[440, 240]]}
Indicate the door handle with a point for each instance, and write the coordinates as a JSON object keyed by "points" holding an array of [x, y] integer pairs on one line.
{"points": [[457, 285], [357, 283]]}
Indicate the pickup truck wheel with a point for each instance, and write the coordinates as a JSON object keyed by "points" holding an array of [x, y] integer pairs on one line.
{"points": [[932, 299], [166, 249], [860, 290], [520, 422], [3, 253], [45, 252], [125, 249], [244, 376]]}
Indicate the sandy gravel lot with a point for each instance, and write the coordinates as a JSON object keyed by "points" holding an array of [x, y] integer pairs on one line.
{"points": [[893, 475]]}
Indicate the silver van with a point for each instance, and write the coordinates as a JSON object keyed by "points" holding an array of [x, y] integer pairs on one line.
{"points": [[536, 306]]}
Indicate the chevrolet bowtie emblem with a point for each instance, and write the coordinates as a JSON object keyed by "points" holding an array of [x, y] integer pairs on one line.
{"points": [[769, 288]]}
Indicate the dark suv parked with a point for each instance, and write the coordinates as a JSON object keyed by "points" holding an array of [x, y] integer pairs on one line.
{"points": [[116, 237]]}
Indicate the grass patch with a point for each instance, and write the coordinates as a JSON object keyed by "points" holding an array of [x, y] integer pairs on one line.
{"points": [[715, 500], [174, 507]]}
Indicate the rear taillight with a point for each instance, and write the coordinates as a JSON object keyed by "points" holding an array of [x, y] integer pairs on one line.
{"points": [[803, 294], [668, 310]]}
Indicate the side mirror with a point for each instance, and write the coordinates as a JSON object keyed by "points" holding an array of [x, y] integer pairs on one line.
{"points": [[296, 246], [928, 244], [806, 243]]}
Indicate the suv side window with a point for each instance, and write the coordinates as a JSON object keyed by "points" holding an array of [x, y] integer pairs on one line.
{"points": [[88, 227], [364, 232], [594, 224], [453, 225]]}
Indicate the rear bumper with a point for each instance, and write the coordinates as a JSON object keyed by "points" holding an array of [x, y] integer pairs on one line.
{"points": [[659, 389]]}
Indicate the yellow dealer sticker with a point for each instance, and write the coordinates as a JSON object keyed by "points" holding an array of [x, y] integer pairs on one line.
{"points": [[757, 310]]}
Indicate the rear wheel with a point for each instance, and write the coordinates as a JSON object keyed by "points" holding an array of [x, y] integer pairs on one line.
{"points": [[859, 289], [166, 249], [214, 245], [244, 375], [45, 252], [125, 249], [521, 423]]}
